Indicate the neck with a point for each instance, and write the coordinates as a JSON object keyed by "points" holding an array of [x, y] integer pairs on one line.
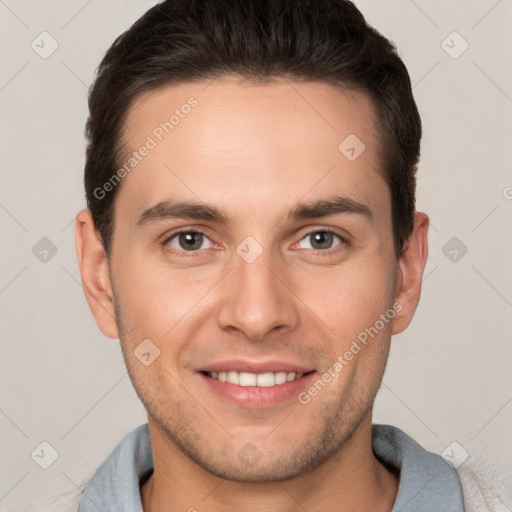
{"points": [[352, 480]]}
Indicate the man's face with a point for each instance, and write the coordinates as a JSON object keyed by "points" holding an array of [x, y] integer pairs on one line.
{"points": [[264, 291]]}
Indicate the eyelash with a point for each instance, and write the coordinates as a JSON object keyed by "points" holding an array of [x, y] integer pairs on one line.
{"points": [[183, 253], [327, 252], [324, 252]]}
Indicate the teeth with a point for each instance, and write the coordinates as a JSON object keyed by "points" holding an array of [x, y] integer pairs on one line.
{"points": [[280, 377], [265, 380], [233, 378], [248, 379], [261, 380]]}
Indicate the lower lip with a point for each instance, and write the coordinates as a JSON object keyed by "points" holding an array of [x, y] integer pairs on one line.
{"points": [[254, 396]]}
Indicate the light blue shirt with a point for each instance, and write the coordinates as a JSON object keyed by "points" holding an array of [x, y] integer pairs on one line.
{"points": [[427, 482]]}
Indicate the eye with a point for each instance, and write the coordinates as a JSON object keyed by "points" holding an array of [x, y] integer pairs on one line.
{"points": [[190, 241], [320, 240]]}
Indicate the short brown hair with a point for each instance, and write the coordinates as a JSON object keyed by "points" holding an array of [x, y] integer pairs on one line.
{"points": [[302, 40]]}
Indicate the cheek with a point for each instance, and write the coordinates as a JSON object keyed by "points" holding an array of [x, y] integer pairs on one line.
{"points": [[349, 298], [154, 298]]}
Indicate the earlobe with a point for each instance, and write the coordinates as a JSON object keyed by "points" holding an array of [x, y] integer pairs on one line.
{"points": [[94, 271], [411, 265]]}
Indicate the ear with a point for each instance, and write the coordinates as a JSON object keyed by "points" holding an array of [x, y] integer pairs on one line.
{"points": [[411, 265], [94, 270]]}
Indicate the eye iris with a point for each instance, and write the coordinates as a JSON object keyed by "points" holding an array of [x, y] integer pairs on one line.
{"points": [[191, 240], [321, 240]]}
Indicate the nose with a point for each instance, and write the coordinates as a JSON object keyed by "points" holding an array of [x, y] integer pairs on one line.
{"points": [[256, 299]]}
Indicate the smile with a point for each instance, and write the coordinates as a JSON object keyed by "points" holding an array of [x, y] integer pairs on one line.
{"points": [[261, 380]]}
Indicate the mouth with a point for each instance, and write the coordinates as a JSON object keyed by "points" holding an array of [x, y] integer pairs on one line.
{"points": [[260, 380], [256, 385]]}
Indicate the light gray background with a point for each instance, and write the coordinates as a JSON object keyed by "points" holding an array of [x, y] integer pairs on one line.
{"points": [[449, 375]]}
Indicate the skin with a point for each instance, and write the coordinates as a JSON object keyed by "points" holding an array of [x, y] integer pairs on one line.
{"points": [[255, 152]]}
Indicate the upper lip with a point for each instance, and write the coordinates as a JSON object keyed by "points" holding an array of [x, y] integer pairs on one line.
{"points": [[241, 365]]}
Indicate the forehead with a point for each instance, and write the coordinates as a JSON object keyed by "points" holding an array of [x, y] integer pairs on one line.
{"points": [[243, 144]]}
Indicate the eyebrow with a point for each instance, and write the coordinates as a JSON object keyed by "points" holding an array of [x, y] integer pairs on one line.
{"points": [[199, 211], [329, 207], [181, 210]]}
